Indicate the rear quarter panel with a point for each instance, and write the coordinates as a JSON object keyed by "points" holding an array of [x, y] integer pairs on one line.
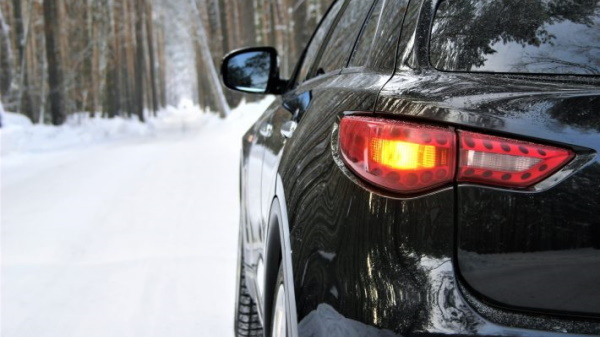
{"points": [[521, 251]]}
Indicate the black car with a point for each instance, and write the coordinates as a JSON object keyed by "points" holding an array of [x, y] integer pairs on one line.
{"points": [[429, 169]]}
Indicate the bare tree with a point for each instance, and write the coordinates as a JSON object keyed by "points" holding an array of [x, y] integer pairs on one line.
{"points": [[124, 56], [207, 59], [52, 21], [140, 9], [6, 57]]}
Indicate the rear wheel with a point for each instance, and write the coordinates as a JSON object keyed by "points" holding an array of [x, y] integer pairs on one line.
{"points": [[247, 322], [279, 319]]}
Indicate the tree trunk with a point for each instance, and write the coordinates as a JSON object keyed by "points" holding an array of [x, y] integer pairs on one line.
{"points": [[42, 117], [139, 60], [300, 18], [162, 65], [95, 70], [68, 84], [23, 97], [152, 89], [247, 24], [112, 89], [6, 59], [55, 67], [89, 48], [207, 60], [18, 23]]}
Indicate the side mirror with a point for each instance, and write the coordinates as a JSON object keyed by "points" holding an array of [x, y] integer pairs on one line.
{"points": [[252, 70]]}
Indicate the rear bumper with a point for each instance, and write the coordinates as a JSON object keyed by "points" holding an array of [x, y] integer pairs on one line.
{"points": [[383, 267], [448, 309]]}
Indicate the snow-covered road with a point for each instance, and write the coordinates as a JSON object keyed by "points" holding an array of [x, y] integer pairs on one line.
{"points": [[133, 237]]}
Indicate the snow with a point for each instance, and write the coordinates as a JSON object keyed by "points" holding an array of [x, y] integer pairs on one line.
{"points": [[117, 228], [20, 136]]}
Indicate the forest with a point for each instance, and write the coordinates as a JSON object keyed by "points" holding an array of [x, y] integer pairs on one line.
{"points": [[130, 58]]}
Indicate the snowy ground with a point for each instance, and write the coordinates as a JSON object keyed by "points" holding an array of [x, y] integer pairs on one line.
{"points": [[113, 228]]}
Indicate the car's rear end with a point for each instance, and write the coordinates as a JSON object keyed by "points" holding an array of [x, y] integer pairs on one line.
{"points": [[466, 201], [517, 84], [536, 249]]}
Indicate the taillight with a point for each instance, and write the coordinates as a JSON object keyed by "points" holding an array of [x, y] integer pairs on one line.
{"points": [[507, 162], [399, 156], [406, 157]]}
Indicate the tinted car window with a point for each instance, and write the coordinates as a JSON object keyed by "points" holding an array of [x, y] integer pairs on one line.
{"points": [[367, 37], [342, 40], [533, 36], [405, 47], [313, 47], [386, 39]]}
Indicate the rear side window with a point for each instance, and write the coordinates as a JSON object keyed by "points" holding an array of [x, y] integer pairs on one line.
{"points": [[382, 58], [317, 40], [508, 36], [367, 37], [338, 49]]}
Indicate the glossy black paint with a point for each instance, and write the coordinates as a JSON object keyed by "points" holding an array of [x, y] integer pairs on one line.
{"points": [[516, 250], [519, 252], [366, 262]]}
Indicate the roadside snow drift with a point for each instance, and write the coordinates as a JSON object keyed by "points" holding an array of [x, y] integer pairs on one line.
{"points": [[117, 228]]}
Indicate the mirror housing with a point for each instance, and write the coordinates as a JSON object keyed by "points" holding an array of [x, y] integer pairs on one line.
{"points": [[252, 70]]}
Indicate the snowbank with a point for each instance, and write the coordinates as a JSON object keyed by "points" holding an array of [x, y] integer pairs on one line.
{"points": [[136, 238], [19, 135]]}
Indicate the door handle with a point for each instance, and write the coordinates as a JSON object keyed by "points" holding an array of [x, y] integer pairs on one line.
{"points": [[266, 130], [288, 128]]}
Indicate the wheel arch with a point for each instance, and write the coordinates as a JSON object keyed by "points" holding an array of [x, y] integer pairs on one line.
{"points": [[278, 252]]}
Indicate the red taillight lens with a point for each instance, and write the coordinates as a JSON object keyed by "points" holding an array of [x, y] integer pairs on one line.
{"points": [[507, 162], [410, 158], [399, 156]]}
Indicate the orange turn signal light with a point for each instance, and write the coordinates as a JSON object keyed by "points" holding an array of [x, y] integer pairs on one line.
{"points": [[400, 156], [403, 155]]}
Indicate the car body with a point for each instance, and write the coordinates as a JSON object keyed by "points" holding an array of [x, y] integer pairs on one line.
{"points": [[498, 235]]}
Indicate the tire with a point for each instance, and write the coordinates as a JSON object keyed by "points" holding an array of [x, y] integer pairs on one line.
{"points": [[247, 323], [279, 316]]}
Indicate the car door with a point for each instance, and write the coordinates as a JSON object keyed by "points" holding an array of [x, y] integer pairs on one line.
{"points": [[292, 105], [254, 144], [282, 111], [339, 80], [326, 55]]}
